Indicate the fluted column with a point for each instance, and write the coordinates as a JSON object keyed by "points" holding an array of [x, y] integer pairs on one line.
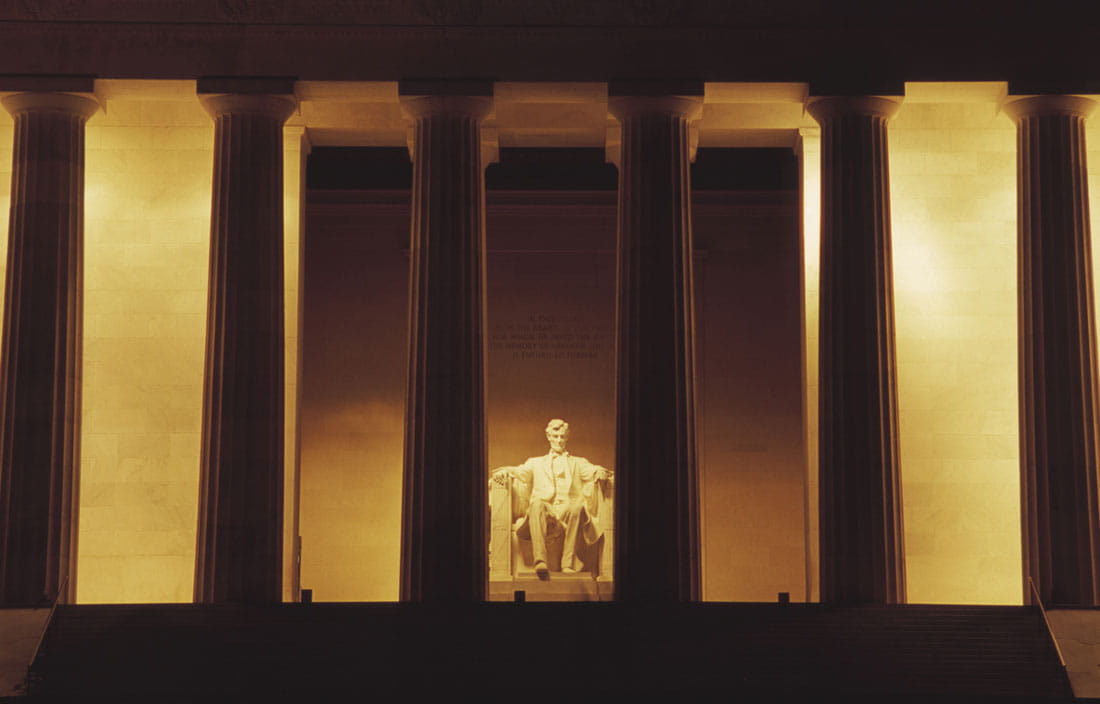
{"points": [[445, 534], [43, 314], [860, 486], [657, 532], [1058, 432], [239, 551]]}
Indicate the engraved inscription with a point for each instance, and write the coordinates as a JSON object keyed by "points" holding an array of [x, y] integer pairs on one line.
{"points": [[551, 336]]}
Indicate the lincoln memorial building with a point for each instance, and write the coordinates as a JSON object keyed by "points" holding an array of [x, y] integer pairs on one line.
{"points": [[297, 294]]}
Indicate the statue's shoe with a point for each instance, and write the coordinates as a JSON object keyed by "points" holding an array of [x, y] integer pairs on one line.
{"points": [[568, 570], [542, 571]]}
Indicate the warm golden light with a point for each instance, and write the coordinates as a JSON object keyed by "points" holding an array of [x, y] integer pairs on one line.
{"points": [[953, 191], [295, 150], [351, 498], [353, 408], [7, 136], [147, 207], [149, 165], [1092, 142], [147, 228], [953, 200], [810, 164]]}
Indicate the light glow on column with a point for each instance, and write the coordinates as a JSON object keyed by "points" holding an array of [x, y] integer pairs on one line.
{"points": [[7, 139], [810, 164], [295, 150], [1092, 158], [147, 231]]}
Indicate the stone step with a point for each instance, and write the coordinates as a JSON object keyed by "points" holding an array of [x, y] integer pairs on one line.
{"points": [[559, 587], [188, 653]]}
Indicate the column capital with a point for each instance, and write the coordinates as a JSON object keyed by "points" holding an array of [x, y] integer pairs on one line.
{"points": [[460, 98], [827, 107], [477, 107], [809, 139], [279, 107], [1019, 107], [83, 106], [689, 107]]}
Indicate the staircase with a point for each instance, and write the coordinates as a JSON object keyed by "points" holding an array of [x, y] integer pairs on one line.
{"points": [[344, 652]]}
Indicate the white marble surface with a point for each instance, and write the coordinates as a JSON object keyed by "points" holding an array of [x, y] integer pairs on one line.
{"points": [[953, 191]]}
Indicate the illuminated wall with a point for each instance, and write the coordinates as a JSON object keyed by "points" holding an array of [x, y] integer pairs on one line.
{"points": [[551, 321], [749, 395], [147, 228], [355, 318], [953, 193]]}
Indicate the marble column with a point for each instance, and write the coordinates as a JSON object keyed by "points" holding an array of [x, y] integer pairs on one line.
{"points": [[1057, 330], [43, 315], [444, 520], [860, 485], [657, 531], [240, 531]]}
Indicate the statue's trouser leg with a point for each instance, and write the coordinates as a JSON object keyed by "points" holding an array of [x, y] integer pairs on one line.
{"points": [[571, 519], [536, 521]]}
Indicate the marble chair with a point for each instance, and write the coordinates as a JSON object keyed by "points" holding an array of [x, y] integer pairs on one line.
{"points": [[511, 557]]}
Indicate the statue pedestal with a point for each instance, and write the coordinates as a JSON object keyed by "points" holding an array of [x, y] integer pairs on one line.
{"points": [[511, 564], [560, 587]]}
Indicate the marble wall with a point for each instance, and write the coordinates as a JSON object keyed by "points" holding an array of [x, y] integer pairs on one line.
{"points": [[147, 229], [355, 319], [749, 396], [953, 193]]}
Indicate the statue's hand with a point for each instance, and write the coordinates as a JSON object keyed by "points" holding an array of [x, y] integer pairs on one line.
{"points": [[602, 474], [501, 477]]}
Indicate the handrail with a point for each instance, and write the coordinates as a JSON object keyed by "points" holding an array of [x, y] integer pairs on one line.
{"points": [[1042, 610], [45, 627]]}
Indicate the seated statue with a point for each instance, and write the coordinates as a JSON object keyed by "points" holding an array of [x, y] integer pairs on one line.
{"points": [[566, 494]]}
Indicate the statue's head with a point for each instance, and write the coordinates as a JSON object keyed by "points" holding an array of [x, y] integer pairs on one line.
{"points": [[557, 432]]}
